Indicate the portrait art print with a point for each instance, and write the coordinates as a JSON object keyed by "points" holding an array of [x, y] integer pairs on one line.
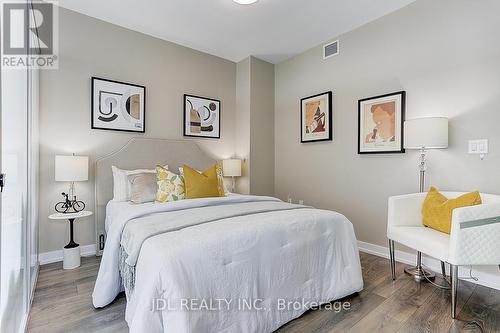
{"points": [[316, 118], [117, 106], [380, 124], [201, 117]]}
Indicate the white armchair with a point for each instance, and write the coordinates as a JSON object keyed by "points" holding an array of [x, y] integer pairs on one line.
{"points": [[474, 238]]}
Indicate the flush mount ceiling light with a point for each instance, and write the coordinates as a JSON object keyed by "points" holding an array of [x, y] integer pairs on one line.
{"points": [[245, 2]]}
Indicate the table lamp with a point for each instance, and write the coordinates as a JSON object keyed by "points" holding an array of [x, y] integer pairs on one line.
{"points": [[231, 168], [424, 134], [71, 169]]}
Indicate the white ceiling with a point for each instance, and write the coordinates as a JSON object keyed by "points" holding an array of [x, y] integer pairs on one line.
{"points": [[272, 30]]}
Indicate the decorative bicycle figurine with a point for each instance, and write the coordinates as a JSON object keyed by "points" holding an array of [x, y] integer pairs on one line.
{"points": [[69, 206]]}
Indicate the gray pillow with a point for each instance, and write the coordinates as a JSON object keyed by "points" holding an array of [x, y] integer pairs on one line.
{"points": [[142, 187]]}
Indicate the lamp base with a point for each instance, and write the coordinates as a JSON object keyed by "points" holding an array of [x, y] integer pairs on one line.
{"points": [[419, 274]]}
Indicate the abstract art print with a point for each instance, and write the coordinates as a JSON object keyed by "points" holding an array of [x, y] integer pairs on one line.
{"points": [[201, 117], [316, 118], [380, 124], [118, 106]]}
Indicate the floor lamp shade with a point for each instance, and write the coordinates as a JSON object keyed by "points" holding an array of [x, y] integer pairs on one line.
{"points": [[423, 134], [71, 168], [426, 133]]}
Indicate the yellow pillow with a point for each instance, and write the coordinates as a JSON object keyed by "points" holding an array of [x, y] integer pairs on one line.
{"points": [[220, 178], [200, 185], [437, 210]]}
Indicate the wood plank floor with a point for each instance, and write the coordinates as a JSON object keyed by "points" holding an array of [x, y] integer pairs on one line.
{"points": [[63, 303]]}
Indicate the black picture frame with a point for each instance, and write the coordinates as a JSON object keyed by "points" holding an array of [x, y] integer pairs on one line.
{"points": [[401, 149], [330, 117], [184, 119], [92, 86]]}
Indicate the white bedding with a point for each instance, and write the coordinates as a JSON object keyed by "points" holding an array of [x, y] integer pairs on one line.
{"points": [[204, 250], [113, 208]]}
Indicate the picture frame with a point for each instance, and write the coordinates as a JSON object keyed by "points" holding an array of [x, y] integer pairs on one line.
{"points": [[117, 106], [316, 118], [201, 117], [380, 124]]}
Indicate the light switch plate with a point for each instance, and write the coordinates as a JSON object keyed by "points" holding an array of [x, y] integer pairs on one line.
{"points": [[478, 146]]}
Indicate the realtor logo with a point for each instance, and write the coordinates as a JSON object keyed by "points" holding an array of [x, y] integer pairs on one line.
{"points": [[29, 34]]}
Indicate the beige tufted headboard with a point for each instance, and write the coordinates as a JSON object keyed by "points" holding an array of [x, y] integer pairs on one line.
{"points": [[140, 153]]}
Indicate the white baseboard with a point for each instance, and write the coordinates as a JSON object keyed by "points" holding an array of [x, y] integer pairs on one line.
{"points": [[55, 256], [484, 278]]}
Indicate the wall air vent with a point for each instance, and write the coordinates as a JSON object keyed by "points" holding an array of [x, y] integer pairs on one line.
{"points": [[330, 49]]}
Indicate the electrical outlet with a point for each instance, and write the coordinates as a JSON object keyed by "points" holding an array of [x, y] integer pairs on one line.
{"points": [[301, 202]]}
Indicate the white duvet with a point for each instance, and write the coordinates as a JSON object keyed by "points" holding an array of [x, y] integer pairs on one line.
{"points": [[231, 264]]}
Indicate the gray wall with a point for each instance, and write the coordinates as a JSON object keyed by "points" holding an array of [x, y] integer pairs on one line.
{"points": [[255, 125], [446, 55], [261, 127], [89, 47], [243, 97]]}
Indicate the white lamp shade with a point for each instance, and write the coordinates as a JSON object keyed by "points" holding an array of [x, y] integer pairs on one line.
{"points": [[231, 168], [426, 133], [72, 168]]}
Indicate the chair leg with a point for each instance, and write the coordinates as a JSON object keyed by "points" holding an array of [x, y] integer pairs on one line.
{"points": [[393, 260], [443, 269], [454, 285]]}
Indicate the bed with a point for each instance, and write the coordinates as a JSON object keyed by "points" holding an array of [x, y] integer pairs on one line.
{"points": [[237, 263]]}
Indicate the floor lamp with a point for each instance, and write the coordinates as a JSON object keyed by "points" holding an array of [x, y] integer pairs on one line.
{"points": [[424, 134]]}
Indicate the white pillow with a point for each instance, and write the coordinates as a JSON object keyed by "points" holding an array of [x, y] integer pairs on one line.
{"points": [[121, 183]]}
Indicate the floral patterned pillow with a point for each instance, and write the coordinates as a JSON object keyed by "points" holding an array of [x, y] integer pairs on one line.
{"points": [[170, 185], [220, 177]]}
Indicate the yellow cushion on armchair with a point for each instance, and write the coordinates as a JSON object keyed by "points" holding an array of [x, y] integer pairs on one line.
{"points": [[437, 210]]}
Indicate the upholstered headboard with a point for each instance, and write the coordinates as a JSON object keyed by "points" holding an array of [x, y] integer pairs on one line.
{"points": [[140, 153]]}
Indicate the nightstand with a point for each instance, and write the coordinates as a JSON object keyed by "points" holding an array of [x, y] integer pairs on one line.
{"points": [[71, 252]]}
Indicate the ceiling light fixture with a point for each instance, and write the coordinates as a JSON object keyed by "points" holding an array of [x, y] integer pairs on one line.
{"points": [[245, 2]]}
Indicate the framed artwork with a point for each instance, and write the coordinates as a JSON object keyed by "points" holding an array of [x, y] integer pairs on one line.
{"points": [[117, 106], [316, 118], [201, 117], [380, 124]]}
